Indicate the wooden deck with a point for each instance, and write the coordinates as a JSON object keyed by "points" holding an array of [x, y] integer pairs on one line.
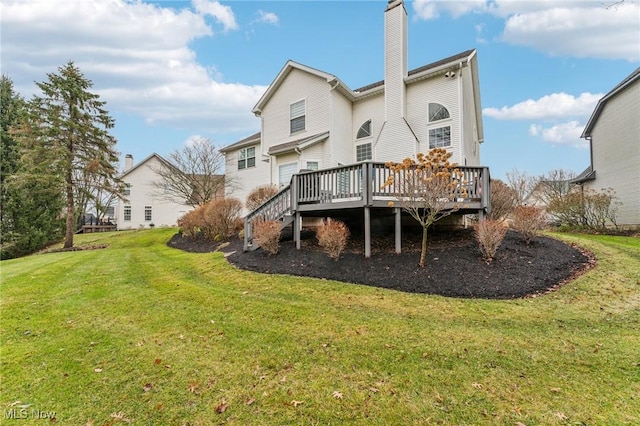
{"points": [[317, 193]]}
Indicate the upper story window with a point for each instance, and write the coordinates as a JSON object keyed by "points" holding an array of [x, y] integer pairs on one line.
{"points": [[364, 130], [363, 152], [297, 116], [247, 158], [439, 137], [127, 189], [437, 112]]}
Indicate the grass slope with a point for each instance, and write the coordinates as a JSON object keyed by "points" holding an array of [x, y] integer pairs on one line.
{"points": [[145, 334]]}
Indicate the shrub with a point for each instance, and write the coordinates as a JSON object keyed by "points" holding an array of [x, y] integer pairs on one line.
{"points": [[503, 200], [220, 218], [489, 234], [266, 234], [528, 221], [189, 223], [332, 237], [585, 208], [259, 195]]}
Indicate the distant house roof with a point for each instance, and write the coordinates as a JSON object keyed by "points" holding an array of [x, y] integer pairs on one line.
{"points": [[299, 144], [633, 77], [154, 155], [587, 174], [249, 140]]}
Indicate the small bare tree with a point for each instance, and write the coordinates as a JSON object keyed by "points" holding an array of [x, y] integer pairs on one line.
{"points": [[193, 174], [427, 188], [503, 200], [522, 184]]}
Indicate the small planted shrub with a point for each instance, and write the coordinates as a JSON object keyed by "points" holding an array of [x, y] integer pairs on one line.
{"points": [[332, 237], [528, 221], [190, 222], [220, 218], [266, 234], [489, 235], [259, 195]]}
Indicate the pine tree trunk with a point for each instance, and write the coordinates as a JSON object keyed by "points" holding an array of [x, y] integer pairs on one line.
{"points": [[423, 252], [71, 223]]}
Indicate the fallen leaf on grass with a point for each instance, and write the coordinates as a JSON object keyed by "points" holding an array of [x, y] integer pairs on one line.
{"points": [[157, 361], [555, 390], [337, 395], [251, 401], [120, 417], [147, 387], [561, 416], [477, 385], [296, 403], [222, 407], [374, 390], [520, 424], [97, 370], [193, 387]]}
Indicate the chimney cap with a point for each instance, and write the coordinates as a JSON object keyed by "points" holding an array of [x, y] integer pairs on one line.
{"points": [[128, 156]]}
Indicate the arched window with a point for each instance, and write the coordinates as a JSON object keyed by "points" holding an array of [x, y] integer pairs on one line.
{"points": [[437, 112], [439, 135], [364, 130]]}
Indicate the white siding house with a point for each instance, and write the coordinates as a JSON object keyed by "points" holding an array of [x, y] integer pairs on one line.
{"points": [[311, 119], [613, 132], [143, 205]]}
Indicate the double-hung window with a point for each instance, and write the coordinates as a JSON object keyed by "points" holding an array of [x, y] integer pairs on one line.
{"points": [[247, 158], [439, 129], [147, 213], [297, 116], [127, 213]]}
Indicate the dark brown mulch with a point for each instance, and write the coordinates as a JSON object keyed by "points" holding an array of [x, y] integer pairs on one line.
{"points": [[454, 267]]}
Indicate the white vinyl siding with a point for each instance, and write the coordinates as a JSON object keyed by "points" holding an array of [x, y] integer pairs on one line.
{"points": [[297, 114]]}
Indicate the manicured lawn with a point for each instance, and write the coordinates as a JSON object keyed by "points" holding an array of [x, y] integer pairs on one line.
{"points": [[142, 333]]}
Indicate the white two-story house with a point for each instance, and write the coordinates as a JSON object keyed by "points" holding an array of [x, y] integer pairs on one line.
{"points": [[310, 119]]}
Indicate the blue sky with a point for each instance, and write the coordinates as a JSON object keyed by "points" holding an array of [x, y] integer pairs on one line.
{"points": [[173, 70]]}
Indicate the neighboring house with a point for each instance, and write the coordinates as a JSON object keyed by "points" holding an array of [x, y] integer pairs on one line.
{"points": [[613, 132], [143, 205], [311, 120]]}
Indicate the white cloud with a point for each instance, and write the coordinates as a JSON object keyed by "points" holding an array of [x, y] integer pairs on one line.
{"points": [[578, 28], [556, 105], [561, 134], [137, 55], [429, 9], [594, 32], [268, 17], [222, 14]]}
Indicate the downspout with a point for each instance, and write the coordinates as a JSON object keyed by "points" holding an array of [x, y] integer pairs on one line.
{"points": [[461, 112]]}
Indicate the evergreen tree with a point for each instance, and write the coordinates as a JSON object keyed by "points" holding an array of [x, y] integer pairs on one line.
{"points": [[73, 140], [30, 202]]}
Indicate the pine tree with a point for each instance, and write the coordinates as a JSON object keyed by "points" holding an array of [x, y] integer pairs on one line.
{"points": [[73, 129]]}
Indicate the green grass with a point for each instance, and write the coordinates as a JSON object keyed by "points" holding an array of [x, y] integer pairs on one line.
{"points": [[144, 333]]}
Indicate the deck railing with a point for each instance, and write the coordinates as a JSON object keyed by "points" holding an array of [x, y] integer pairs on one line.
{"points": [[357, 185]]}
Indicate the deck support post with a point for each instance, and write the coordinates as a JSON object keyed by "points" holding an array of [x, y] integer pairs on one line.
{"points": [[297, 225], [398, 214], [247, 233], [367, 232]]}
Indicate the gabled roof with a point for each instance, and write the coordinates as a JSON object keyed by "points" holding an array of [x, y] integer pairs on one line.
{"points": [[426, 70], [154, 155], [249, 140], [286, 70], [298, 144], [414, 75], [633, 77]]}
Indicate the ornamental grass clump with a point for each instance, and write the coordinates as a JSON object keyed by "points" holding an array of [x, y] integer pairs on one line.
{"points": [[266, 234], [489, 235], [332, 237]]}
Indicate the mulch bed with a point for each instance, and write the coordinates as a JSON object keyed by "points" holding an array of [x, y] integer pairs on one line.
{"points": [[454, 267]]}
